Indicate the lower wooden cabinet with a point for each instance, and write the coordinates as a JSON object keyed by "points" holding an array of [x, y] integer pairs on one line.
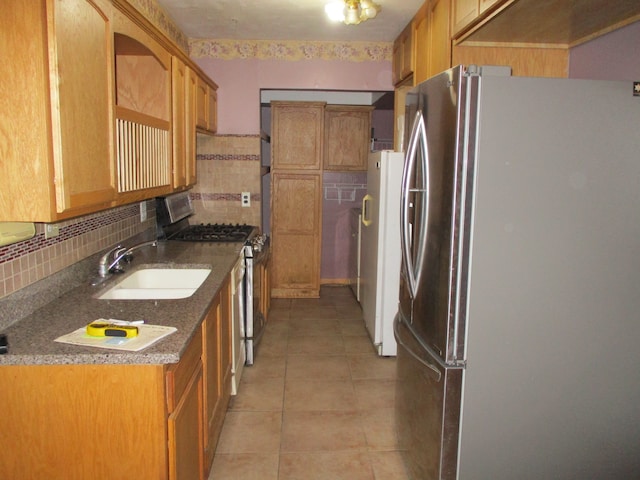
{"points": [[185, 433], [216, 359], [143, 422], [186, 414], [296, 232]]}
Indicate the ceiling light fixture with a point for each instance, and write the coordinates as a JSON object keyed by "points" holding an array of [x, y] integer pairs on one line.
{"points": [[352, 12]]}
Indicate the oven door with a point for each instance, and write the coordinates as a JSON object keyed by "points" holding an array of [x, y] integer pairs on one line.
{"points": [[255, 319]]}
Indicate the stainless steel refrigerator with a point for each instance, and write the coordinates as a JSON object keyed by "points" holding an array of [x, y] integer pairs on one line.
{"points": [[518, 326]]}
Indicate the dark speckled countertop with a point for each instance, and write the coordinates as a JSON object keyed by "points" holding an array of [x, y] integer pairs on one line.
{"points": [[31, 339]]}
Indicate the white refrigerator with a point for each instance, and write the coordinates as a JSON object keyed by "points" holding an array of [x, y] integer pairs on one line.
{"points": [[380, 248]]}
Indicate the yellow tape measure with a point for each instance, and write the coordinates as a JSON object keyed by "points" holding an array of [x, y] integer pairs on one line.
{"points": [[103, 329]]}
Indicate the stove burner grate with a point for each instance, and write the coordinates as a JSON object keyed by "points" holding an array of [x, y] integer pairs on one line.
{"points": [[214, 233]]}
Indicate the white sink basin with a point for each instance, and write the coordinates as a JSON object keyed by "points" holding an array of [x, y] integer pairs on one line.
{"points": [[158, 283]]}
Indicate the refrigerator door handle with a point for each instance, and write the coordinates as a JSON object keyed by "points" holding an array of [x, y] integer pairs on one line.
{"points": [[366, 220], [433, 370], [412, 266]]}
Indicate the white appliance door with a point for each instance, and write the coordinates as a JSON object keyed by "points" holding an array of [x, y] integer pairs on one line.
{"points": [[369, 247], [381, 253]]}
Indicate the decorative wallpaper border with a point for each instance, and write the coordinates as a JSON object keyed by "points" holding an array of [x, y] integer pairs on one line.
{"points": [[156, 15], [290, 50], [218, 156]]}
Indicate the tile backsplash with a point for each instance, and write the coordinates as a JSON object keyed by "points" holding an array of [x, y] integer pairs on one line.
{"points": [[227, 166], [26, 262]]}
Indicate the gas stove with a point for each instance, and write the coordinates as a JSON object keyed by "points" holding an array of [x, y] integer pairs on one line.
{"points": [[214, 232], [173, 212]]}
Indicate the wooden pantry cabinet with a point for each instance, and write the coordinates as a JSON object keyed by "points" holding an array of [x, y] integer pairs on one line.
{"points": [[297, 134], [347, 133], [296, 222], [57, 123]]}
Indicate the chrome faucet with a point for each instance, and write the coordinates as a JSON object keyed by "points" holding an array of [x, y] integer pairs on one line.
{"points": [[110, 261]]}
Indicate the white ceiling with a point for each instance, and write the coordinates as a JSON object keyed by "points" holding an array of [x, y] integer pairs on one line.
{"points": [[284, 20]]}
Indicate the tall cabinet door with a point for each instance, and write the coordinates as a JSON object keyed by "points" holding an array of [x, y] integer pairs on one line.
{"points": [[297, 132], [296, 223]]}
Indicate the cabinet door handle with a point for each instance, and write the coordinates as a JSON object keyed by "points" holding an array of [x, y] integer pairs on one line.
{"points": [[366, 221]]}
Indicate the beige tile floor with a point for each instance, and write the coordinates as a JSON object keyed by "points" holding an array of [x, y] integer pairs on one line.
{"points": [[317, 404]]}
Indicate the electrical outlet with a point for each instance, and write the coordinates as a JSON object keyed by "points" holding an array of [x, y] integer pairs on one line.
{"points": [[51, 230], [246, 199], [143, 211]]}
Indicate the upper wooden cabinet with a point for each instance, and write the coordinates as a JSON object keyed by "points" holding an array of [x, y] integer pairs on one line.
{"points": [[465, 12], [347, 136], [432, 38], [88, 109], [56, 127], [143, 112], [298, 126], [402, 62], [563, 23], [206, 107]]}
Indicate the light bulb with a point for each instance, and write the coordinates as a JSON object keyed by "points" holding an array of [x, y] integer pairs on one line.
{"points": [[352, 17], [370, 12], [335, 11]]}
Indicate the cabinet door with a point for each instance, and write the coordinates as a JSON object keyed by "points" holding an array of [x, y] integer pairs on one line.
{"points": [[83, 77], [226, 353], [212, 120], [403, 61], [439, 36], [212, 374], [421, 37], [185, 433], [464, 12], [56, 131], [487, 4], [183, 125], [297, 135], [433, 39], [178, 126], [143, 112], [347, 133], [296, 233], [190, 126], [202, 104]]}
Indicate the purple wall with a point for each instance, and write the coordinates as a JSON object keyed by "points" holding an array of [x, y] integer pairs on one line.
{"points": [[614, 56], [239, 83]]}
